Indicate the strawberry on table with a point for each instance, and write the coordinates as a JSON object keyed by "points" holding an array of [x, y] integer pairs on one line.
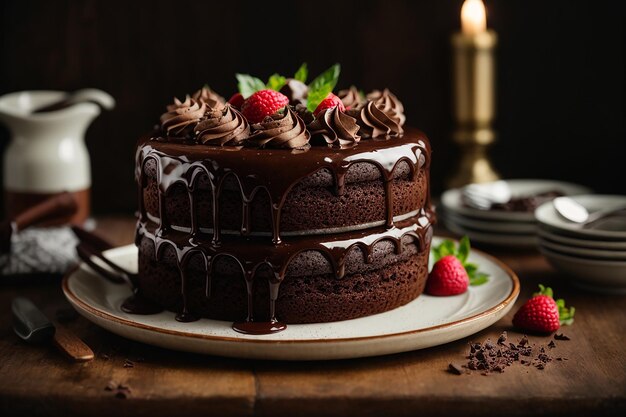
{"points": [[262, 104], [542, 313]]}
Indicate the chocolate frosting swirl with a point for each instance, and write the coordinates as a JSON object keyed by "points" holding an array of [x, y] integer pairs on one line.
{"points": [[181, 116], [285, 130], [374, 122], [388, 103], [213, 100], [223, 127], [351, 98], [336, 127]]}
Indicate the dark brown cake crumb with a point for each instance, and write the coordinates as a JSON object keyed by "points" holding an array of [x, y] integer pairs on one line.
{"points": [[561, 336], [129, 364], [456, 369], [489, 358], [122, 391]]}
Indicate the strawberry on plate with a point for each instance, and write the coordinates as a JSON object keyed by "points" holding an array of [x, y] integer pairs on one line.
{"points": [[542, 313], [452, 273]]}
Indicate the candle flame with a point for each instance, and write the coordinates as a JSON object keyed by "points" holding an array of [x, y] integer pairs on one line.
{"points": [[473, 17]]}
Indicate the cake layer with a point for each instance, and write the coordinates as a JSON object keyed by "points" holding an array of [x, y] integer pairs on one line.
{"points": [[247, 191], [388, 282], [177, 270]]}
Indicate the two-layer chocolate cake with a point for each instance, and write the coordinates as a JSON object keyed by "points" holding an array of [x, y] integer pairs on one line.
{"points": [[272, 209]]}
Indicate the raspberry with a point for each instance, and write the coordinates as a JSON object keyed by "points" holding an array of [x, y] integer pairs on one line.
{"points": [[329, 102], [262, 104]]}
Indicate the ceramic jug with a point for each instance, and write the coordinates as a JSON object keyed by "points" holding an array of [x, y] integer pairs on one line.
{"points": [[47, 153]]}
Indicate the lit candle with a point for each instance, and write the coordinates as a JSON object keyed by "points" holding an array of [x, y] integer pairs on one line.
{"points": [[474, 93], [473, 17]]}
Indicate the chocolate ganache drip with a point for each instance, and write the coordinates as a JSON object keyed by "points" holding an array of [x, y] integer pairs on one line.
{"points": [[336, 127], [223, 127], [182, 116], [374, 122], [389, 104], [285, 130], [351, 98], [210, 98]]}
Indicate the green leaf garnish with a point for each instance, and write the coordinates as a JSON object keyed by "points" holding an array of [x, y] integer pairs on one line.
{"points": [[447, 247], [248, 84], [276, 81], [321, 86], [302, 73]]}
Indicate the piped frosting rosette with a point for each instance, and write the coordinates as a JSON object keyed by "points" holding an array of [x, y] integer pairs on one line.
{"points": [[286, 130], [336, 128], [223, 127]]}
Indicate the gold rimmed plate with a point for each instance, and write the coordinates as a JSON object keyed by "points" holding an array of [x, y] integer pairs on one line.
{"points": [[425, 322]]}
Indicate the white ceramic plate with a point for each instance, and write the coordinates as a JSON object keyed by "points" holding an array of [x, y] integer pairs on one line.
{"points": [[547, 215], [491, 226], [595, 254], [600, 276], [451, 199], [425, 322], [521, 241], [581, 243]]}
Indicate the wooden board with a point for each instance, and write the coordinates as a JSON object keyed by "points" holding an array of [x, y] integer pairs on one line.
{"points": [[38, 380]]}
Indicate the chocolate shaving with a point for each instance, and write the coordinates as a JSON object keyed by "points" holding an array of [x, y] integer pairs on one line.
{"points": [[561, 336], [455, 369], [489, 358], [129, 364]]}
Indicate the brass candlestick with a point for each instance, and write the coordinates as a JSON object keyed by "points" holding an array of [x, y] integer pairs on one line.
{"points": [[474, 99]]}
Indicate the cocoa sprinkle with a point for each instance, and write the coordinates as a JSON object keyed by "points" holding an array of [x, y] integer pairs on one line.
{"points": [[489, 358]]}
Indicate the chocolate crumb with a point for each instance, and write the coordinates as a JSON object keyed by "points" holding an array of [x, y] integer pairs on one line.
{"points": [[561, 336], [540, 366], [551, 345], [110, 386], [523, 342], [453, 368], [129, 364], [502, 339]]}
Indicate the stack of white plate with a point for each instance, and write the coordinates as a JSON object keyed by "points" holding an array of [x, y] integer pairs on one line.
{"points": [[497, 227], [594, 257]]}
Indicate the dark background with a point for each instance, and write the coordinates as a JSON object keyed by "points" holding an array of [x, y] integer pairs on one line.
{"points": [[560, 67]]}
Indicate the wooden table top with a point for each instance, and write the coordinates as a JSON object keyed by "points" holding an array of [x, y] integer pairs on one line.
{"points": [[37, 380]]}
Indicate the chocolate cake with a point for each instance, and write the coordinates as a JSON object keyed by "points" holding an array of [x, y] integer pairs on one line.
{"points": [[306, 216]]}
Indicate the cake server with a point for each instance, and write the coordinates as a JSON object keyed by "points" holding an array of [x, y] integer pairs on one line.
{"points": [[32, 326]]}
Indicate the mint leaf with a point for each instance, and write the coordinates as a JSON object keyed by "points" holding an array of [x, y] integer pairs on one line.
{"points": [[471, 269], [302, 73], [479, 279], [566, 315], [321, 86], [327, 78], [248, 84], [276, 81], [315, 97], [464, 249]]}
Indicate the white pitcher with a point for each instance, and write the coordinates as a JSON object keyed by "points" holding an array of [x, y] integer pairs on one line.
{"points": [[47, 153]]}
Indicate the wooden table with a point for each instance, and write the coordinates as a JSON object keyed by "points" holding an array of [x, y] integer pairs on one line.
{"points": [[39, 381]]}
